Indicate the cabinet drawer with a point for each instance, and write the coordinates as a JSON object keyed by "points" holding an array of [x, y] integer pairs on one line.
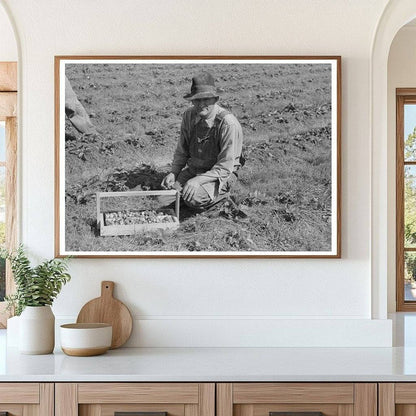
{"points": [[19, 393], [21, 399], [296, 399], [107, 399], [143, 409], [138, 393], [397, 399]]}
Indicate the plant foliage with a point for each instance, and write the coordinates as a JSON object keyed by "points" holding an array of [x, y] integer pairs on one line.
{"points": [[35, 286], [285, 188]]}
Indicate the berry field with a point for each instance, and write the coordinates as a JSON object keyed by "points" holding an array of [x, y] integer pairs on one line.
{"points": [[282, 201]]}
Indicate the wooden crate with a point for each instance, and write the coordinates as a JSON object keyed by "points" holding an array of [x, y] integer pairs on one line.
{"points": [[129, 229]]}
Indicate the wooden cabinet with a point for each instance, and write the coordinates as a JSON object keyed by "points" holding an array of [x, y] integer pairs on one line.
{"points": [[264, 399], [208, 399], [27, 399], [397, 399], [105, 399]]}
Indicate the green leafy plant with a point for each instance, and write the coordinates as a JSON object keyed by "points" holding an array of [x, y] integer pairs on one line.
{"points": [[35, 286]]}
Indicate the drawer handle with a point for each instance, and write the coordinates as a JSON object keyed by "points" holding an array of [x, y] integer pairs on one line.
{"points": [[296, 414], [138, 414]]}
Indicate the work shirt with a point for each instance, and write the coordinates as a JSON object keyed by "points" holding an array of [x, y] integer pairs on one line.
{"points": [[210, 148]]}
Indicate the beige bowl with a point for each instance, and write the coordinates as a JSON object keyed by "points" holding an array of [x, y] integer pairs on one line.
{"points": [[83, 340]]}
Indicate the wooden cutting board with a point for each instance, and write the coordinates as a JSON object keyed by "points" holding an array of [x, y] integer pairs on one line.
{"points": [[107, 309]]}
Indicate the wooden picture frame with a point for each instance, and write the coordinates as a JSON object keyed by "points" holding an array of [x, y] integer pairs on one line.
{"points": [[287, 200]]}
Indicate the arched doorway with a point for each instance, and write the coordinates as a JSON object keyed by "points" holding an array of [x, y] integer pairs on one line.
{"points": [[396, 14]]}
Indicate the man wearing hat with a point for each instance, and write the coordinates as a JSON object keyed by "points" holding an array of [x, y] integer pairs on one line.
{"points": [[208, 154]]}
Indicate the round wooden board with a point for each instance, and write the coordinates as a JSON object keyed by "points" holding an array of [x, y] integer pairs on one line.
{"points": [[107, 309]]}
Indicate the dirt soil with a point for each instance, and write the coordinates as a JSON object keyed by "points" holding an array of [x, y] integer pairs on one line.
{"points": [[282, 201]]}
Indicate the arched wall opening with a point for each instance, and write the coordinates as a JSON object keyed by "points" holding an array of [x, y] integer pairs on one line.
{"points": [[401, 74], [396, 15]]}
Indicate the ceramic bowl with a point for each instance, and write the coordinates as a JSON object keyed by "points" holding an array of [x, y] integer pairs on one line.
{"points": [[83, 340]]}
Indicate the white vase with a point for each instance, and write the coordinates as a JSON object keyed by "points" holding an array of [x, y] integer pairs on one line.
{"points": [[37, 330]]}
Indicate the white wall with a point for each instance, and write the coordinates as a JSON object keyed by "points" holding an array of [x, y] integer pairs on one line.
{"points": [[401, 74], [8, 47], [180, 301]]}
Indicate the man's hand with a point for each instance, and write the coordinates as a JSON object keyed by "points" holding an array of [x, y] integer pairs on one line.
{"points": [[190, 188], [168, 181]]}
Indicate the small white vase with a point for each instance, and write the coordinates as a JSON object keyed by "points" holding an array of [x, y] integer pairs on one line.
{"points": [[37, 330]]}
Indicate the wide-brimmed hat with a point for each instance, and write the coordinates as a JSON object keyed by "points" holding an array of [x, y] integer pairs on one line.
{"points": [[203, 86]]}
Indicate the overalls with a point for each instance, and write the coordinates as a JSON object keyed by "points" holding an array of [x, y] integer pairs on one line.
{"points": [[204, 147]]}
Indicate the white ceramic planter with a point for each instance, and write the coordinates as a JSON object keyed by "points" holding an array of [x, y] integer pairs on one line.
{"points": [[37, 330]]}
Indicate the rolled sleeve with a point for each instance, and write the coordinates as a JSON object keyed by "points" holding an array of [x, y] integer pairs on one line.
{"points": [[181, 154]]}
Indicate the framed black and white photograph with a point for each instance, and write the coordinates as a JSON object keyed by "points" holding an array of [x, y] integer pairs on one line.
{"points": [[197, 156]]}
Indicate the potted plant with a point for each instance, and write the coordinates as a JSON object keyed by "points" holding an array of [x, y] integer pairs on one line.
{"points": [[36, 289]]}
